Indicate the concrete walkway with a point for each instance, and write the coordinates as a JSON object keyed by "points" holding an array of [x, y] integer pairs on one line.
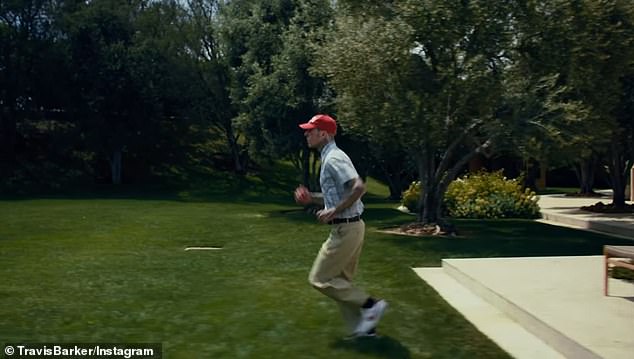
{"points": [[561, 210], [546, 307]]}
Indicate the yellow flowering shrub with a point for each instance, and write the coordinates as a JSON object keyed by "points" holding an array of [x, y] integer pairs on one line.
{"points": [[490, 195], [411, 196]]}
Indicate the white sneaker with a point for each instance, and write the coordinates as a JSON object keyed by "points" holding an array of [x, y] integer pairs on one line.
{"points": [[370, 317]]}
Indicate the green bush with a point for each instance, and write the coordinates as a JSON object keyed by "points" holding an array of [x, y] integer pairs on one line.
{"points": [[490, 195], [411, 196]]}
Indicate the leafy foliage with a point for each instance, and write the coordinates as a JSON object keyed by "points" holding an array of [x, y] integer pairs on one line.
{"points": [[112, 90], [411, 196], [481, 195], [490, 195], [429, 90], [584, 59]]}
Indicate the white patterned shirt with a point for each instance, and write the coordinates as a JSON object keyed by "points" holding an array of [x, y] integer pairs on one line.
{"points": [[337, 172]]}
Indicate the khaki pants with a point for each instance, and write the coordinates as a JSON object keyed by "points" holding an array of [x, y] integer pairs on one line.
{"points": [[335, 267]]}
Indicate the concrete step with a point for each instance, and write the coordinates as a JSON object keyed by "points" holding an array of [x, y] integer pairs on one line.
{"points": [[492, 322], [553, 338], [621, 227], [559, 300]]}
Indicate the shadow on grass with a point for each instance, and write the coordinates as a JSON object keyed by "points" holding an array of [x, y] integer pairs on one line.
{"points": [[386, 217], [507, 238], [375, 217], [382, 347]]}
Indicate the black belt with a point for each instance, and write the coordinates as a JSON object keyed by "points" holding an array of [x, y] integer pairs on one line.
{"points": [[345, 220]]}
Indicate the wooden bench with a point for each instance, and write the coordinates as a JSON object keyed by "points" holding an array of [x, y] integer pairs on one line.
{"points": [[617, 256]]}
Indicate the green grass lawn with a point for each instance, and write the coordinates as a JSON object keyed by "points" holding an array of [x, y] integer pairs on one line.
{"points": [[112, 268]]}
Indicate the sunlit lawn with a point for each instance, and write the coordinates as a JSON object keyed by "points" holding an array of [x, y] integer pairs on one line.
{"points": [[103, 269]]}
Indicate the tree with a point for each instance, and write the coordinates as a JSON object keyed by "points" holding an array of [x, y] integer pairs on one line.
{"points": [[609, 36], [301, 94], [101, 35], [126, 81], [31, 63], [162, 72], [426, 75], [270, 55], [587, 56], [252, 32], [625, 117], [210, 98], [621, 152]]}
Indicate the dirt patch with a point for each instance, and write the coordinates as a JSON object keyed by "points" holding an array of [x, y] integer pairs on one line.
{"points": [[601, 207], [416, 229]]}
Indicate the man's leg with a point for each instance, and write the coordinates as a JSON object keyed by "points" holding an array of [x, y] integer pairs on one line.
{"points": [[336, 264], [351, 315]]}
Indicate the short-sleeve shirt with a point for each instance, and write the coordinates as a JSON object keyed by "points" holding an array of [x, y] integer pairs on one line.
{"points": [[337, 172]]}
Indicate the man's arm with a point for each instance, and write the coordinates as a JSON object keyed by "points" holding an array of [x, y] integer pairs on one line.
{"points": [[357, 191]]}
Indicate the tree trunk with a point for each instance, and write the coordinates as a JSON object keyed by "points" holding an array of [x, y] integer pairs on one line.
{"points": [[618, 175], [8, 135], [395, 183], [238, 163], [116, 166], [585, 170], [436, 177], [428, 204], [305, 166], [393, 172], [432, 205], [631, 194], [432, 194]]}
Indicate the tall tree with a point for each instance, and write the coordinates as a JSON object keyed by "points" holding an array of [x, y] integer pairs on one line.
{"points": [[302, 94], [609, 58], [252, 31], [31, 63], [209, 94], [271, 55], [101, 34], [162, 75], [126, 80], [426, 75], [585, 48], [625, 117]]}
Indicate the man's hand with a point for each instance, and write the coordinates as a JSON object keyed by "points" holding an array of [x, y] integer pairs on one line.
{"points": [[326, 215], [303, 196]]}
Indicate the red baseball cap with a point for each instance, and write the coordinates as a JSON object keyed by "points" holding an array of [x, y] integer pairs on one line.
{"points": [[322, 122]]}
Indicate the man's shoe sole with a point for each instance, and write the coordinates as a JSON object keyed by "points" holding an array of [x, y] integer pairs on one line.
{"points": [[361, 336]]}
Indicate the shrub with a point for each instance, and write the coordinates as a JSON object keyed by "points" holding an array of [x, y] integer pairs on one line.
{"points": [[490, 195], [411, 196]]}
